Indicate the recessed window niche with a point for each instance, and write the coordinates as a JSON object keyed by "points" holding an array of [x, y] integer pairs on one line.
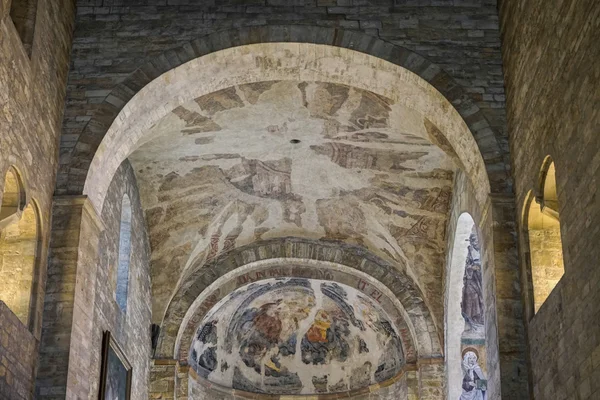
{"points": [[19, 230], [543, 234], [23, 14]]}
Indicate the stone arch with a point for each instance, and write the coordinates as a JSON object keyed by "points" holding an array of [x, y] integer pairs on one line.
{"points": [[14, 198], [404, 289], [526, 268], [548, 196], [542, 238], [93, 143], [124, 253], [465, 252], [291, 267], [19, 250]]}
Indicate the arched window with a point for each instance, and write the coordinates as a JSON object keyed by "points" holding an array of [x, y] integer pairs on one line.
{"points": [[465, 331], [124, 253], [13, 198], [23, 14], [19, 230], [543, 234]]}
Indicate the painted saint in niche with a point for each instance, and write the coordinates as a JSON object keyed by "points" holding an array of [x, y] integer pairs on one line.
{"points": [[474, 384], [472, 296]]}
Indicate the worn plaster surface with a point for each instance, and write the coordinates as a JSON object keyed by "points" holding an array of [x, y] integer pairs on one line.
{"points": [[261, 62], [296, 336], [224, 171]]}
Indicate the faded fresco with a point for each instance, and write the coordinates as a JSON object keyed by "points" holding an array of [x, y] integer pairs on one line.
{"points": [[472, 295], [286, 158], [474, 384], [296, 336]]}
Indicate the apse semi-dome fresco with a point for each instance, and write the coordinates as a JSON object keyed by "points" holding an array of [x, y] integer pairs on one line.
{"points": [[296, 336]]}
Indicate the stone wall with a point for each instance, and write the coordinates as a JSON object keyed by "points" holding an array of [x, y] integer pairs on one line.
{"points": [[553, 97], [81, 302], [545, 252], [18, 350], [32, 89], [67, 326], [130, 329], [18, 248]]}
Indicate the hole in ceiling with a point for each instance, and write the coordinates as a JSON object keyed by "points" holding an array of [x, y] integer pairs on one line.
{"points": [[295, 141]]}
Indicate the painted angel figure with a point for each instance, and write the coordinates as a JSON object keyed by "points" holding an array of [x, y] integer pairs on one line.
{"points": [[474, 383]]}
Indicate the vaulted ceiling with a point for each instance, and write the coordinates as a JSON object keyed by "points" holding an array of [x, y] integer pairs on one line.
{"points": [[287, 158]]}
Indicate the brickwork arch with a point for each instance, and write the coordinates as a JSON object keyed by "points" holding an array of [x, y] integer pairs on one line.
{"points": [[395, 278], [166, 69]]}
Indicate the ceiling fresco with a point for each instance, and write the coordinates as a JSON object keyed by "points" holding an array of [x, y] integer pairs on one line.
{"points": [[286, 158], [296, 336]]}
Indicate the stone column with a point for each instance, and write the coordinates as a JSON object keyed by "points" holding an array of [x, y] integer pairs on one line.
{"points": [[69, 305], [512, 345]]}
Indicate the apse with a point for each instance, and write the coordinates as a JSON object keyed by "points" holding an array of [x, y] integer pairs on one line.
{"points": [[296, 336]]}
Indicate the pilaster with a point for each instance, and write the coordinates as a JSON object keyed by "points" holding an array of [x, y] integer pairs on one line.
{"points": [[509, 304], [69, 304]]}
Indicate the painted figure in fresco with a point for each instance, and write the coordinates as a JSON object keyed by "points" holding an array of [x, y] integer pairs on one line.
{"points": [[472, 296], [474, 384], [326, 339], [279, 331]]}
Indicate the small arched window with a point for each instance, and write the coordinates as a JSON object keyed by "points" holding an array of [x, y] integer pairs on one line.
{"points": [[124, 253], [19, 246], [23, 14], [465, 311], [543, 234], [13, 198]]}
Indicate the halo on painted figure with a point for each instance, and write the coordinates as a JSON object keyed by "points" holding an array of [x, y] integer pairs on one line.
{"points": [[470, 349]]}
